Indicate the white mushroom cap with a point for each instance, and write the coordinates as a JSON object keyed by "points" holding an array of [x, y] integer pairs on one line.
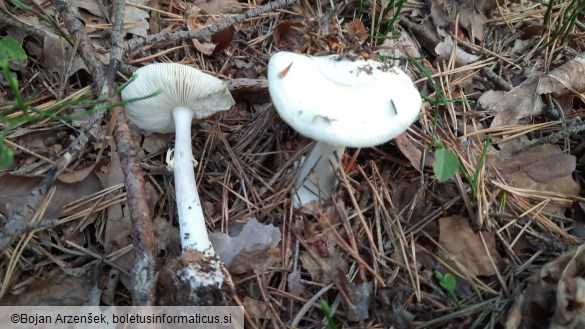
{"points": [[178, 85], [358, 103]]}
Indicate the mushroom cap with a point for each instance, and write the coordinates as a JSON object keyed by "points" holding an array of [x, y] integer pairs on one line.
{"points": [[176, 85], [359, 103]]}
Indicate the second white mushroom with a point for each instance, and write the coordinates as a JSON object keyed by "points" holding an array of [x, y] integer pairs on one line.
{"points": [[339, 103]]}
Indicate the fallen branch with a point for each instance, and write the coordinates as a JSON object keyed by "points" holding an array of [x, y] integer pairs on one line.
{"points": [[144, 272], [204, 33]]}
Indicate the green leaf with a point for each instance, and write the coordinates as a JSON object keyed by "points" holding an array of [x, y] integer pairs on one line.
{"points": [[446, 164], [11, 51], [6, 156], [450, 282], [327, 311]]}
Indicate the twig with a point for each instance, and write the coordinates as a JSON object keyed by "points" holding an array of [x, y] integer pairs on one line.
{"points": [[496, 79], [573, 128], [204, 33], [70, 16], [144, 272], [5, 18], [18, 228], [426, 38]]}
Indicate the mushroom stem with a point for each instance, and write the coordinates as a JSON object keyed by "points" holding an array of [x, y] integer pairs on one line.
{"points": [[191, 220], [317, 177]]}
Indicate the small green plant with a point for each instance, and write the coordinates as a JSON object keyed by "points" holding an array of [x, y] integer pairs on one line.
{"points": [[448, 282], [327, 311], [10, 52], [43, 15], [20, 113], [565, 25], [385, 24], [473, 181]]}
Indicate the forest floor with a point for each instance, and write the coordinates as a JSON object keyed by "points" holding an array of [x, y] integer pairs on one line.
{"points": [[473, 218]]}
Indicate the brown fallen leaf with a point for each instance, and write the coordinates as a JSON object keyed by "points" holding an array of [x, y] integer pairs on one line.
{"points": [[473, 22], [462, 245], [57, 288], [16, 190], [558, 289], [540, 168], [155, 143], [257, 309], [257, 257], [223, 39], [135, 18], [219, 40], [59, 56], [325, 269], [565, 79], [77, 175], [525, 101], [356, 31], [412, 151], [520, 102], [288, 35]]}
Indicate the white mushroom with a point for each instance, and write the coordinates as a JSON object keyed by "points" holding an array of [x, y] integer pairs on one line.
{"points": [[338, 103], [181, 94]]}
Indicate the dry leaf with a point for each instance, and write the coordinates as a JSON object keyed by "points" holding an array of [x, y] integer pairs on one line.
{"points": [[540, 168], [57, 288], [518, 103], [118, 232], [462, 245], [219, 40], [223, 39], [77, 175], [525, 101], [257, 257], [562, 79], [411, 151], [473, 22], [357, 30], [288, 35], [557, 289], [58, 56], [295, 285], [135, 19], [462, 58], [257, 309], [227, 247], [155, 143], [325, 269], [396, 48], [360, 295], [166, 236], [16, 190]]}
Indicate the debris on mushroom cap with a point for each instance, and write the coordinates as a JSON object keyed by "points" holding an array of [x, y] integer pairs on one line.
{"points": [[176, 85], [358, 103]]}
